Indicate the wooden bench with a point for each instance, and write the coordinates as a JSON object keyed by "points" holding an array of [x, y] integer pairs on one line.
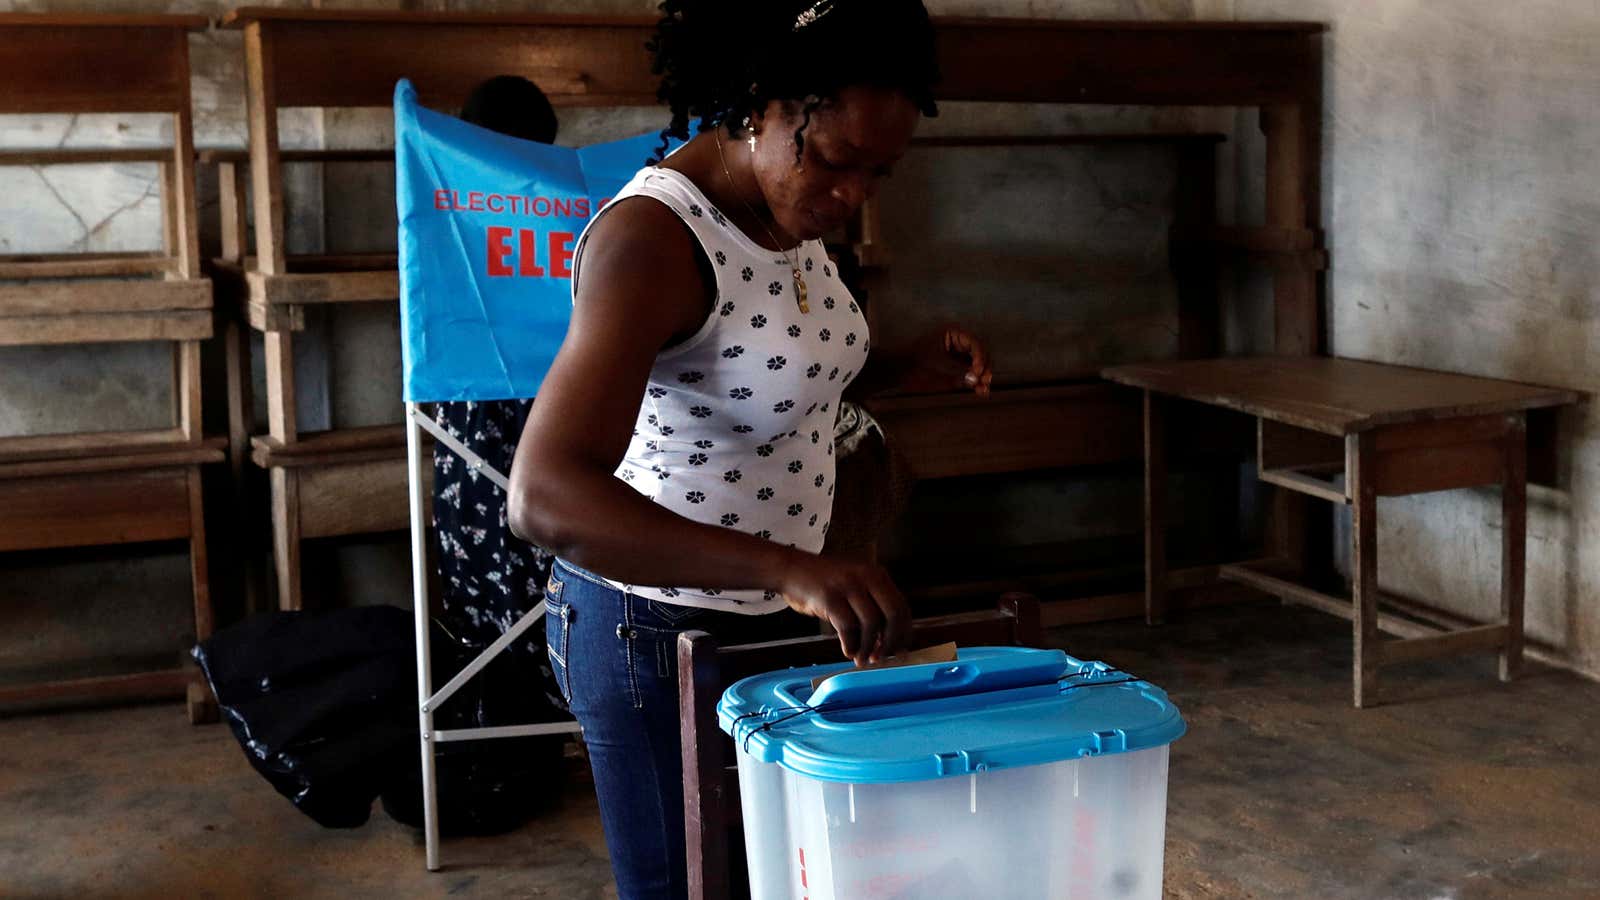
{"points": [[1350, 432], [72, 490]]}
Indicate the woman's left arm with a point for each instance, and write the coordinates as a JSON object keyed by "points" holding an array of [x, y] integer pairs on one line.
{"points": [[946, 359]]}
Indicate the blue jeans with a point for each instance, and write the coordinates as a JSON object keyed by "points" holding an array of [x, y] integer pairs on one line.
{"points": [[615, 661]]}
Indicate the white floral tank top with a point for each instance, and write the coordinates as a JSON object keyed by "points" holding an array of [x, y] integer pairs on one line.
{"points": [[736, 426]]}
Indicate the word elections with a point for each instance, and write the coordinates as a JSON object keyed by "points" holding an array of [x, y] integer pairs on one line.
{"points": [[515, 204]]}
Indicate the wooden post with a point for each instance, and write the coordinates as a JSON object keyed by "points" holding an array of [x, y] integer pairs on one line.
{"points": [[181, 238], [236, 346], [266, 179], [183, 243], [198, 565], [232, 194], [186, 386], [1294, 287], [1155, 509], [198, 701], [1513, 544], [169, 217], [286, 535], [1360, 457], [281, 408], [185, 224], [285, 482], [704, 819], [1311, 148], [265, 166], [1295, 315]]}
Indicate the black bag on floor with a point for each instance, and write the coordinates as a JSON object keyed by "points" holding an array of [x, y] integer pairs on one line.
{"points": [[324, 705]]}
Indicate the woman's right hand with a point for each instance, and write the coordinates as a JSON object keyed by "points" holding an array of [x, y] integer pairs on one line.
{"points": [[858, 599]]}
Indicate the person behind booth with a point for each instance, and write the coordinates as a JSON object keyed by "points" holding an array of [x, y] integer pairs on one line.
{"points": [[490, 578], [679, 460]]}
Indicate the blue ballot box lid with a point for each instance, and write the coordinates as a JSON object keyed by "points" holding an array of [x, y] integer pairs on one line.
{"points": [[992, 708]]}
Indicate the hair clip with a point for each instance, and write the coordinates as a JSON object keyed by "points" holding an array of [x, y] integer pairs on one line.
{"points": [[813, 13]]}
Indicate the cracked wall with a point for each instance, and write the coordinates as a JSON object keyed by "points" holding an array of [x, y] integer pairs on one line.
{"points": [[1461, 208]]}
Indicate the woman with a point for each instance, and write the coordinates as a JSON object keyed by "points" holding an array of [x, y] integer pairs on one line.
{"points": [[677, 460]]}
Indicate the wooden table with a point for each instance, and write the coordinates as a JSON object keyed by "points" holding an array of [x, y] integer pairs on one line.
{"points": [[1390, 431]]}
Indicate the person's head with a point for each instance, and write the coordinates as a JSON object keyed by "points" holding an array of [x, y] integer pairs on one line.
{"points": [[830, 89], [511, 104]]}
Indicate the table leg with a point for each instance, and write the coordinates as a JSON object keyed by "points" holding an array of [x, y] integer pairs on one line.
{"points": [[1360, 456], [1155, 509], [285, 487], [1513, 544]]}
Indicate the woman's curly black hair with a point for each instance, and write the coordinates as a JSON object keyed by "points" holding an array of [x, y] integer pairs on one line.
{"points": [[721, 60]]}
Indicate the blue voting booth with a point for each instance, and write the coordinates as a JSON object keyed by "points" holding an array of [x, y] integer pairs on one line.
{"points": [[488, 227], [488, 230]]}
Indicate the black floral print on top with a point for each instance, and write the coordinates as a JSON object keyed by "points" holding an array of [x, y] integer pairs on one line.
{"points": [[488, 577], [731, 422]]}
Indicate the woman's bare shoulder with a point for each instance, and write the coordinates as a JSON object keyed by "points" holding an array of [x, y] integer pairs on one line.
{"points": [[640, 261]]}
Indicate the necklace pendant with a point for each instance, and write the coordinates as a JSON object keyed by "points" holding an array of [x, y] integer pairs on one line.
{"points": [[800, 293]]}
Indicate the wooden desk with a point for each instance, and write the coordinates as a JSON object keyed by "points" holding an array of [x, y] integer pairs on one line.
{"points": [[1390, 431]]}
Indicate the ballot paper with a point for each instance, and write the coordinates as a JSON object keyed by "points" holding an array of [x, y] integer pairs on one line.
{"points": [[935, 654]]}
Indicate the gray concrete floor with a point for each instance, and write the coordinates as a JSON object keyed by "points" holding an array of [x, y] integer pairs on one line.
{"points": [[1458, 788]]}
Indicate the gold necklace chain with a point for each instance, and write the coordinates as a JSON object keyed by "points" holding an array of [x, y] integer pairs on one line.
{"points": [[794, 264]]}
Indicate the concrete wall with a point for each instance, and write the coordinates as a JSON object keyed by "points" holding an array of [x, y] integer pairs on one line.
{"points": [[1462, 202]]}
